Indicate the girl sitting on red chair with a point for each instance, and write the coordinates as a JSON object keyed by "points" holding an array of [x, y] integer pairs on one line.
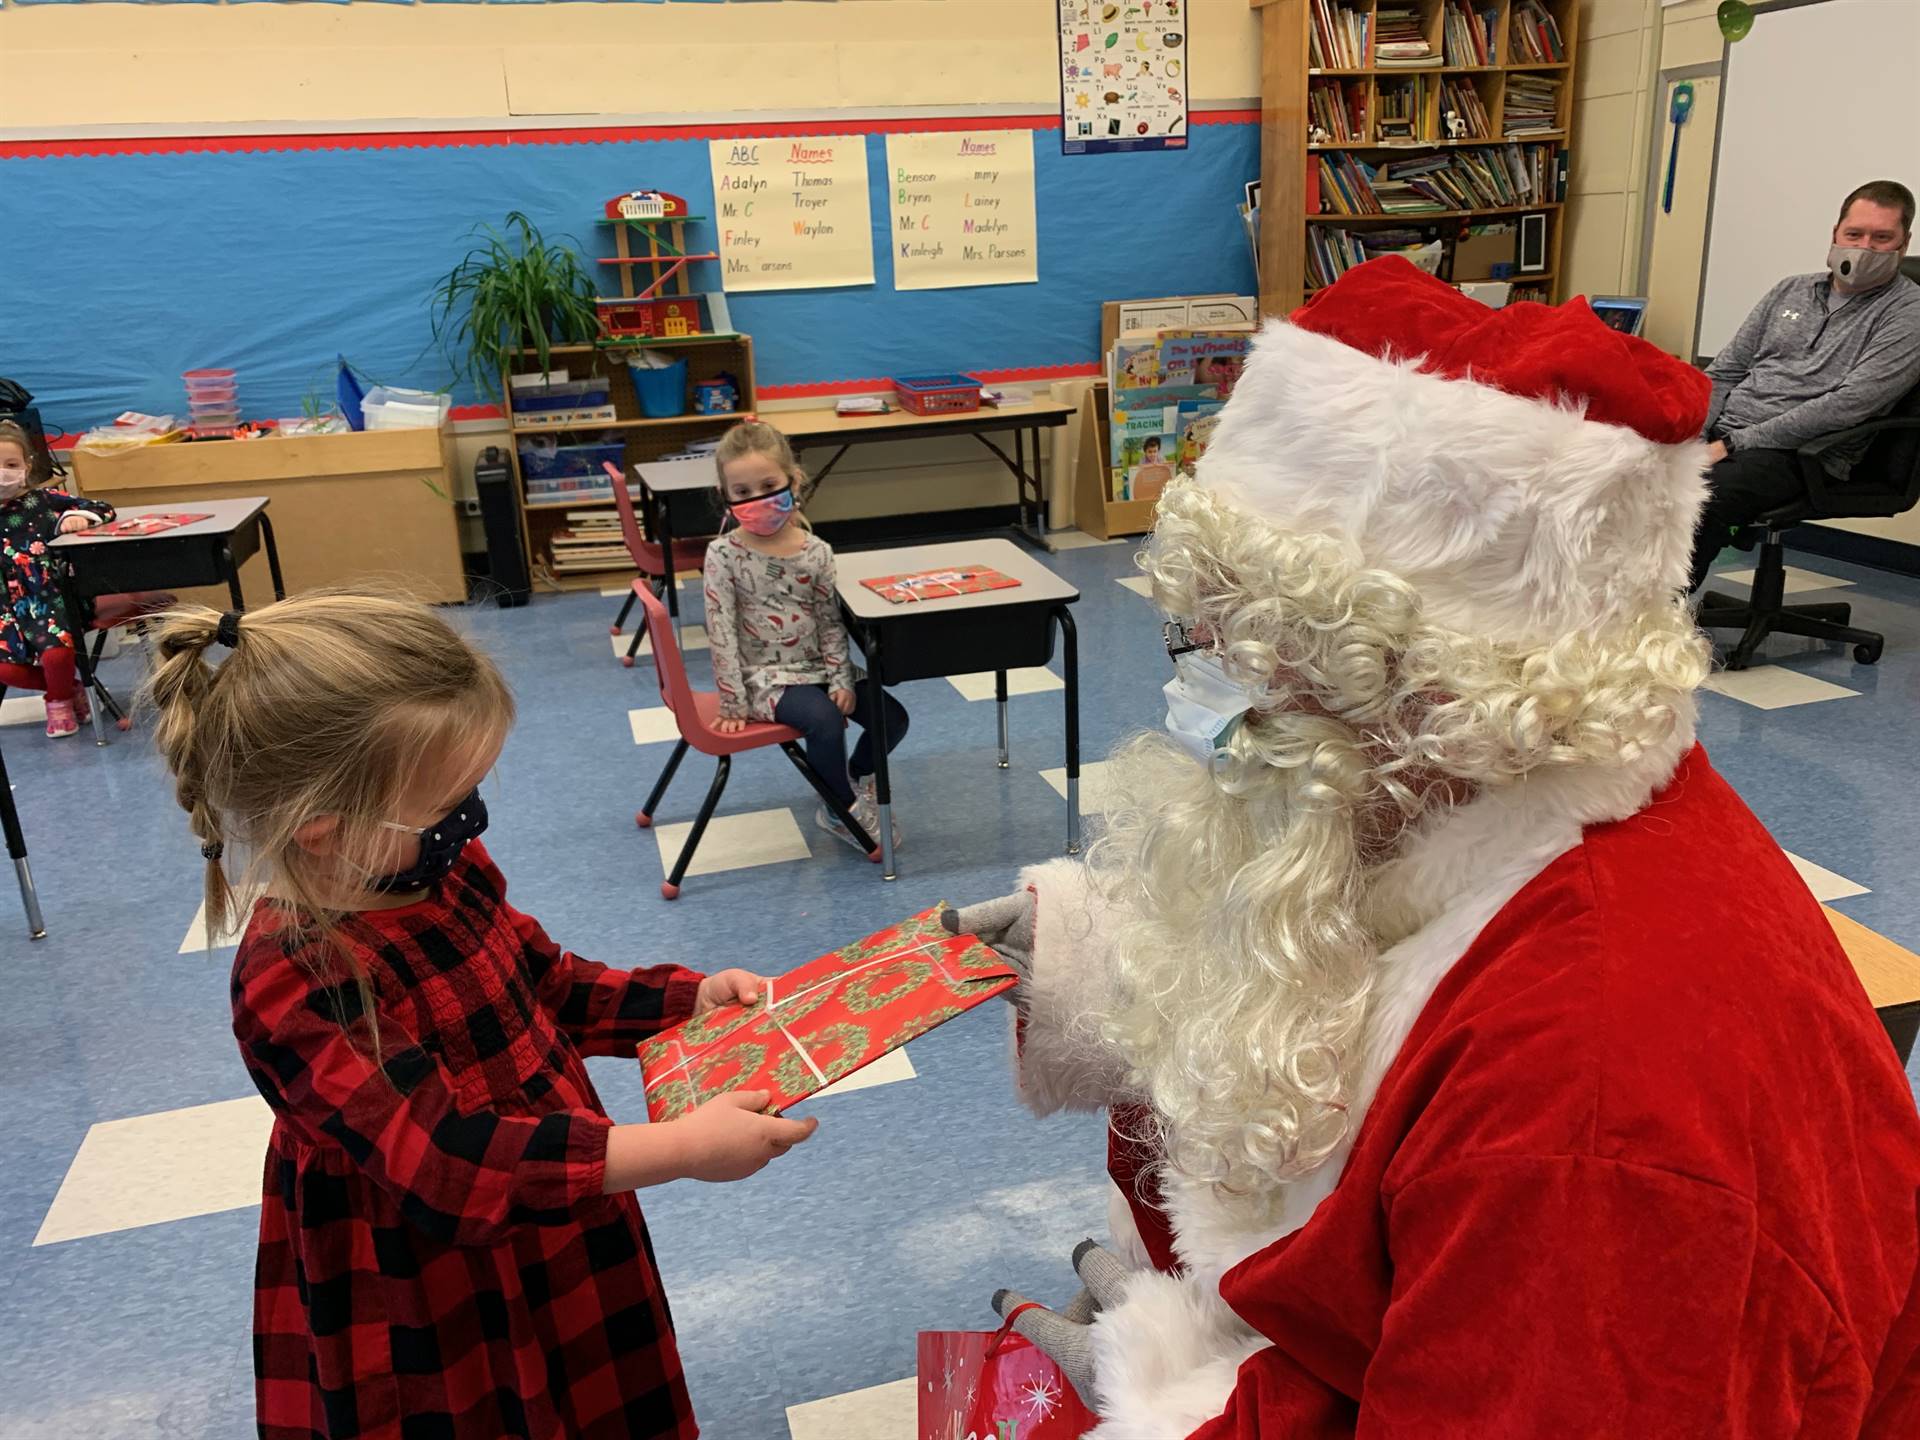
{"points": [[34, 627]]}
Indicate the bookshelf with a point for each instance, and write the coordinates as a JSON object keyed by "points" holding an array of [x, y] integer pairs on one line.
{"points": [[641, 439], [1357, 157]]}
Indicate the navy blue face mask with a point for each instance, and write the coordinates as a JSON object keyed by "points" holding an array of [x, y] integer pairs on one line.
{"points": [[440, 846]]}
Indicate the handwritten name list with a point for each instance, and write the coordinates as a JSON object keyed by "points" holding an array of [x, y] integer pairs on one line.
{"points": [[792, 214], [962, 209]]}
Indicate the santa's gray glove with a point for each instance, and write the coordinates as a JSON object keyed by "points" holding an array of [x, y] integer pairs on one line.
{"points": [[1067, 1336], [1005, 925]]}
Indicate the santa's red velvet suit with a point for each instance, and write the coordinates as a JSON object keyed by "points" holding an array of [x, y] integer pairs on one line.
{"points": [[1629, 1154]]}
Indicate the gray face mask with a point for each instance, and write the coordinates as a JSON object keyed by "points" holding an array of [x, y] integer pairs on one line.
{"points": [[1861, 269]]}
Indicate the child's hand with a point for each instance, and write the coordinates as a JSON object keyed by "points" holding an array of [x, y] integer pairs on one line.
{"points": [[729, 1139], [844, 701], [75, 520], [728, 987], [729, 725]]}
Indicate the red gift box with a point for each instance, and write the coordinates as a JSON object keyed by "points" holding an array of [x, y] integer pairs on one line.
{"points": [[994, 1385], [824, 1020]]}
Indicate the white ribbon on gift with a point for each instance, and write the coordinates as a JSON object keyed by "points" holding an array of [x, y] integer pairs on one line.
{"points": [[938, 946]]}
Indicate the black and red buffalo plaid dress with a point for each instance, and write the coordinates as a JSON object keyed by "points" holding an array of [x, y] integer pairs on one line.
{"points": [[436, 1259]]}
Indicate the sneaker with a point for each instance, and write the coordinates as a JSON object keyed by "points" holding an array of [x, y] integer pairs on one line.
{"points": [[866, 809], [61, 719], [826, 820]]}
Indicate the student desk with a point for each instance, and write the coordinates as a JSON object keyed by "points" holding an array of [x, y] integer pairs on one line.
{"points": [[207, 552], [828, 427], [1891, 975], [677, 497], [17, 848], [997, 630]]}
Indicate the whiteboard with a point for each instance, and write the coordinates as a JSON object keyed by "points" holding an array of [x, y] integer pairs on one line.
{"points": [[1818, 98]]}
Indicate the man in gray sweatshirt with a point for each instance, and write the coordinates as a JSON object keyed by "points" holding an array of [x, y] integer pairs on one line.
{"points": [[1820, 353]]}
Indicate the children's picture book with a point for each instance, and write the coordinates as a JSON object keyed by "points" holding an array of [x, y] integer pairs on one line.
{"points": [[136, 525], [1194, 432], [825, 1020], [938, 584], [1145, 438]]}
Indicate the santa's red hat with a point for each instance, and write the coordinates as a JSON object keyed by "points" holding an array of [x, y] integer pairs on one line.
{"points": [[1529, 470]]}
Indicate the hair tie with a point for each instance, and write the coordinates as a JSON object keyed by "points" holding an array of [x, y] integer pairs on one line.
{"points": [[227, 632], [212, 850]]}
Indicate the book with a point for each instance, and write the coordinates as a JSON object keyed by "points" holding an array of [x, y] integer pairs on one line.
{"points": [[1337, 39], [825, 1020], [1193, 432], [1400, 41], [134, 526], [938, 584], [1468, 34], [1533, 35]]}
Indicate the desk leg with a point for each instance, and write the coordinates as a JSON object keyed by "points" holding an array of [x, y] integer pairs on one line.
{"points": [[1070, 663], [77, 621], [233, 576], [17, 848], [1025, 487], [273, 557], [1000, 700], [877, 733]]}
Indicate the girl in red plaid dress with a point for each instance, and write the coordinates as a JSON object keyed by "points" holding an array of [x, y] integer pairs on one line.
{"points": [[449, 1243]]}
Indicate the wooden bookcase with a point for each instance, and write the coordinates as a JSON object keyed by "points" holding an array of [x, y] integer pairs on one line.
{"points": [[1288, 83], [642, 439]]}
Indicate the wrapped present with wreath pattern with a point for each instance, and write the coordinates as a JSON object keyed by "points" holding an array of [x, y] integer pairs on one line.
{"points": [[824, 1020]]}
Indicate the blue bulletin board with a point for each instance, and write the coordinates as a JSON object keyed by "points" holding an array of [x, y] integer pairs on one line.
{"points": [[133, 261]]}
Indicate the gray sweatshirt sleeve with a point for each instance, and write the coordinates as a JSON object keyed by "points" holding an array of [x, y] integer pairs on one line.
{"points": [[1886, 371], [1730, 366], [723, 636]]}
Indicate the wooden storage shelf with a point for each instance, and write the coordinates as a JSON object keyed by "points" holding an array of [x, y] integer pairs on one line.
{"points": [[643, 423], [1294, 94]]}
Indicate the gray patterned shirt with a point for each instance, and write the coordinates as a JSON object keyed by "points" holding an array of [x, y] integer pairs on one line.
{"points": [[773, 621]]}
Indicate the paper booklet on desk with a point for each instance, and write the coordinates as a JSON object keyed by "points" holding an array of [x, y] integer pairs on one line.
{"points": [[825, 1020], [938, 584], [141, 525]]}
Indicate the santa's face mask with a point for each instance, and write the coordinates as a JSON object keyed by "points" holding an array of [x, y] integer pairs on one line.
{"points": [[1204, 707]]}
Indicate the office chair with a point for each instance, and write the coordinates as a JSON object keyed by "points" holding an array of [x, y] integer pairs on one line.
{"points": [[1885, 481]]}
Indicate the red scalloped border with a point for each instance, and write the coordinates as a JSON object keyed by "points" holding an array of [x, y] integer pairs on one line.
{"points": [[585, 135]]}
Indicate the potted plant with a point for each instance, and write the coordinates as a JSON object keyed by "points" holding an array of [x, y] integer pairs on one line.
{"points": [[512, 291]]}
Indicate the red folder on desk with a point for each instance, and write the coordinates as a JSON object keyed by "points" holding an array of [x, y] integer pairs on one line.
{"points": [[939, 584], [137, 525]]}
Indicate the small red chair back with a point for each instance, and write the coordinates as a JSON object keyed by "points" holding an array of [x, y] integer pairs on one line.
{"points": [[669, 663], [645, 553]]}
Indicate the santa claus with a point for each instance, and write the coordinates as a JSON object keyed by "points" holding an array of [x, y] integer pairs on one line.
{"points": [[1479, 1065]]}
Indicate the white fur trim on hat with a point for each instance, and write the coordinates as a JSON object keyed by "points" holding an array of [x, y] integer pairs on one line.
{"points": [[1516, 519]]}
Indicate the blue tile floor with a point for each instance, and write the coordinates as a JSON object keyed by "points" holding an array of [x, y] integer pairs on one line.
{"points": [[130, 1316]]}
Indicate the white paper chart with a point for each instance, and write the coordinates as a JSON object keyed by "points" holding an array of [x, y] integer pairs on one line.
{"points": [[962, 209], [1123, 75], [792, 213]]}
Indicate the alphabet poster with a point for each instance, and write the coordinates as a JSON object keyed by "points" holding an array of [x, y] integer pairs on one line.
{"points": [[1123, 75], [792, 213], [962, 209]]}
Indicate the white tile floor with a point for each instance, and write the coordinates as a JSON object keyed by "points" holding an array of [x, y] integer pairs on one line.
{"points": [[1139, 584], [1029, 681], [1078, 540], [653, 726], [889, 1069], [149, 1169], [1798, 581], [196, 939], [881, 1412], [23, 710], [692, 637], [1093, 785], [1769, 687], [735, 842], [1824, 884]]}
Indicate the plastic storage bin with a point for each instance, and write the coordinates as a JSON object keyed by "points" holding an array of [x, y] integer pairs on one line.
{"points": [[662, 392], [559, 395], [541, 459], [386, 408], [937, 394]]}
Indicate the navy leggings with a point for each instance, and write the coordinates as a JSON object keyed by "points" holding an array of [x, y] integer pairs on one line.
{"points": [[809, 709]]}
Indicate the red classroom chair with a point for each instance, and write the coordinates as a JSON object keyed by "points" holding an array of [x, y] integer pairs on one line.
{"points": [[109, 611], [646, 555], [694, 712]]}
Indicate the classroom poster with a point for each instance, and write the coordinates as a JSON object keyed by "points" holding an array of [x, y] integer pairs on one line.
{"points": [[962, 209], [1123, 75], [792, 213]]}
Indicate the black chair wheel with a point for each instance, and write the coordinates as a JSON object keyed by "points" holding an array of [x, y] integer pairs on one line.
{"points": [[1869, 653]]}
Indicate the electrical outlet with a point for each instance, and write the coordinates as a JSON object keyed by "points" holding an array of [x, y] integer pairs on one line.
{"points": [[470, 505]]}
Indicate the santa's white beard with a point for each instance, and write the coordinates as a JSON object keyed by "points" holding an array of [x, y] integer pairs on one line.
{"points": [[1244, 968]]}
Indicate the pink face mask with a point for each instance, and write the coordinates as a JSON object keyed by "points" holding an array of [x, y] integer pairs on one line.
{"points": [[765, 515]]}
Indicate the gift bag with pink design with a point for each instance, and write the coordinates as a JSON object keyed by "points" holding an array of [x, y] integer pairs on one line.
{"points": [[995, 1385]]}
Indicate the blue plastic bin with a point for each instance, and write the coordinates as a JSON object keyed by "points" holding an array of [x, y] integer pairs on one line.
{"points": [[662, 393]]}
